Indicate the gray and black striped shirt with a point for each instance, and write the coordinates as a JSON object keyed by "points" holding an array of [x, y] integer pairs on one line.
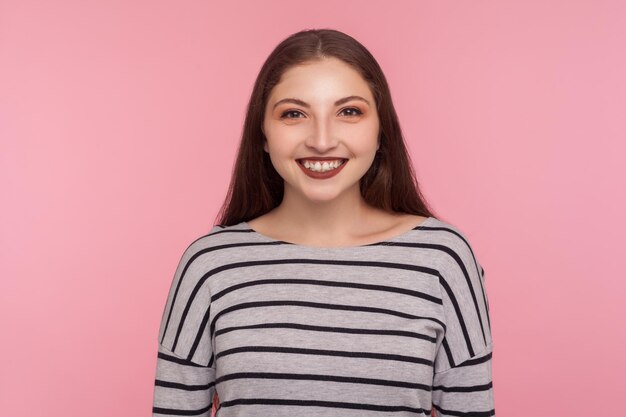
{"points": [[278, 329]]}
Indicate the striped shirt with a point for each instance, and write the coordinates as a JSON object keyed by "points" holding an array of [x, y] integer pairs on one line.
{"points": [[393, 328]]}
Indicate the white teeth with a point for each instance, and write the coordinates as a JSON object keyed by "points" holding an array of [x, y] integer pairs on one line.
{"points": [[322, 167]]}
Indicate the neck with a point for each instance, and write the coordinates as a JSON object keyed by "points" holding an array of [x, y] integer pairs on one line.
{"points": [[329, 221]]}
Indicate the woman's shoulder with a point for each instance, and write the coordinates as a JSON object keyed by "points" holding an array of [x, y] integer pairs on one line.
{"points": [[219, 234], [445, 229], [446, 236], [454, 242], [215, 247]]}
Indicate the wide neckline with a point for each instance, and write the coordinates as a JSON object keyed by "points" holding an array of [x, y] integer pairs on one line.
{"points": [[297, 245]]}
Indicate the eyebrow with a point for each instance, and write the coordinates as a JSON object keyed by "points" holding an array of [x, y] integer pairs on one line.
{"points": [[308, 106]]}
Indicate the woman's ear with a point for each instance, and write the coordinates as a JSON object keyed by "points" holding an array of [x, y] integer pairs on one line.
{"points": [[264, 139]]}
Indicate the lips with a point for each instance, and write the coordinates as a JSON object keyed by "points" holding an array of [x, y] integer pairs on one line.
{"points": [[321, 175], [318, 159], [301, 160]]}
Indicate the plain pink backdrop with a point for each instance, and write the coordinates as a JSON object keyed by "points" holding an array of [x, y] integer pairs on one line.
{"points": [[119, 122]]}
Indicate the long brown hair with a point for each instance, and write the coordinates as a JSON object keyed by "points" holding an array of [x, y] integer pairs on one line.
{"points": [[256, 188]]}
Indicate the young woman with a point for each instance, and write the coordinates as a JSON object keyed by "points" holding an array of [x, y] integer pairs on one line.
{"points": [[327, 287]]}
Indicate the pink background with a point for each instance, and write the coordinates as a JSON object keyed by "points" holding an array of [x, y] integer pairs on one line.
{"points": [[119, 122]]}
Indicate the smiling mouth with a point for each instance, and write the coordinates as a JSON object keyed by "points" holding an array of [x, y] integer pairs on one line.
{"points": [[316, 165]]}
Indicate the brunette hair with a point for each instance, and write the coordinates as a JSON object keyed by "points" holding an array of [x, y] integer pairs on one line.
{"points": [[256, 188]]}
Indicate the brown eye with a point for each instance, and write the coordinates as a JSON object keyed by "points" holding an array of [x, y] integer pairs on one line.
{"points": [[354, 111], [284, 115]]}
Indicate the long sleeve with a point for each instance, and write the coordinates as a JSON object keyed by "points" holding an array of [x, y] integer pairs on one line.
{"points": [[462, 381], [185, 371]]}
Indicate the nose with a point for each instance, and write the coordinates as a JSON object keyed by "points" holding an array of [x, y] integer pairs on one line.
{"points": [[322, 138]]}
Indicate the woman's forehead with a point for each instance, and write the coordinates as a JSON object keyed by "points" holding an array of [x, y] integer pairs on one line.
{"points": [[320, 82]]}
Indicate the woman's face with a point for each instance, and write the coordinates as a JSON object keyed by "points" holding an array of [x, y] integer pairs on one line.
{"points": [[321, 109]]}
